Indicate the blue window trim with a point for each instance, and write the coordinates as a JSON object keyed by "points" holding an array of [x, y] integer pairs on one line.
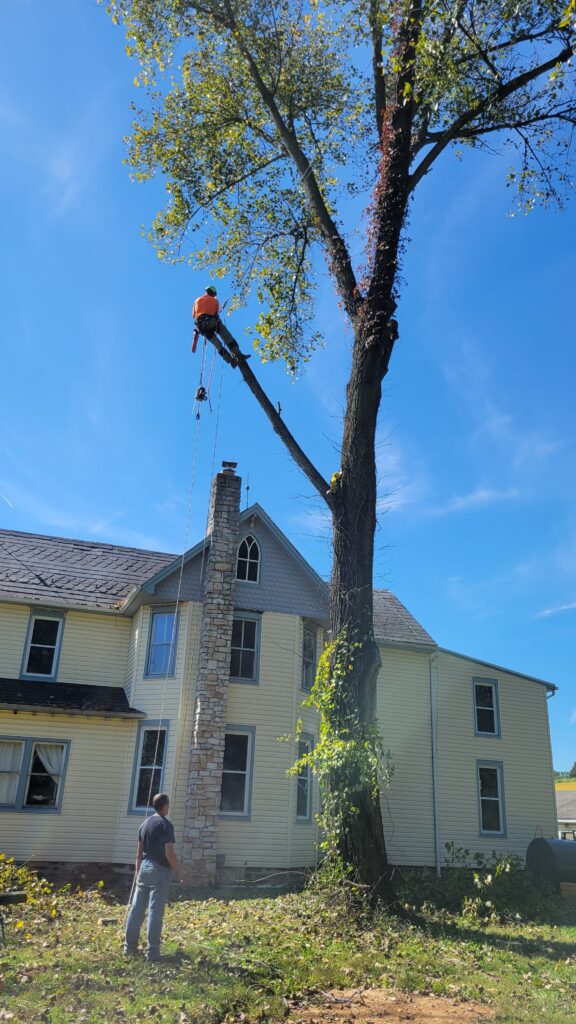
{"points": [[251, 583], [18, 807], [43, 613], [163, 610], [250, 731], [481, 681], [312, 627], [257, 618], [148, 723], [499, 766], [301, 819]]}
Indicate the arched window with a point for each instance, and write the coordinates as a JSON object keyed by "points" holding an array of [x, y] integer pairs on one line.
{"points": [[248, 567]]}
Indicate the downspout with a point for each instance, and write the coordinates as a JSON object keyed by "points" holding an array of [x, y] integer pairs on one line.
{"points": [[433, 665]]}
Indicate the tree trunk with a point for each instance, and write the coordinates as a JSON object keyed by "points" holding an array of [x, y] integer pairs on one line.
{"points": [[354, 521]]}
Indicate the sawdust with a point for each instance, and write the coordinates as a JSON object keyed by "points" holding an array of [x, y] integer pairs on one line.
{"points": [[373, 1006]]}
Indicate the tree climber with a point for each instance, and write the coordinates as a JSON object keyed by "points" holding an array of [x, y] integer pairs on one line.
{"points": [[208, 323]]}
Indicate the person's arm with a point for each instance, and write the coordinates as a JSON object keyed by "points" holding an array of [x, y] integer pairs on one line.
{"points": [[173, 861], [139, 853]]}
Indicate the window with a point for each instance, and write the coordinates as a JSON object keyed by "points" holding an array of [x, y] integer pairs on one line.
{"points": [[304, 781], [42, 648], [237, 770], [486, 717], [32, 774], [491, 798], [243, 657], [308, 657], [248, 565], [150, 764], [162, 643]]}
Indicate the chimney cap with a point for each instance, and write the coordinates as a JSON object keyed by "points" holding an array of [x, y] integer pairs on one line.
{"points": [[229, 467]]}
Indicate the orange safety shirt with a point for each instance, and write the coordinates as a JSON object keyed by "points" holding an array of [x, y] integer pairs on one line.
{"points": [[206, 305]]}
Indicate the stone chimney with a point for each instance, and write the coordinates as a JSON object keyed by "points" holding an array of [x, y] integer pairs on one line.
{"points": [[200, 839]]}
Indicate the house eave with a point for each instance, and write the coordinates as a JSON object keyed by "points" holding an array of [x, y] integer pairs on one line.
{"points": [[36, 709], [500, 668], [30, 601], [407, 645]]}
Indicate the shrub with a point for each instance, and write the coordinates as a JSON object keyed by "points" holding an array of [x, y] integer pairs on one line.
{"points": [[494, 888]]}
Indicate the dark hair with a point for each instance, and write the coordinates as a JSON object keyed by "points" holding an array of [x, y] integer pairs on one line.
{"points": [[160, 801]]}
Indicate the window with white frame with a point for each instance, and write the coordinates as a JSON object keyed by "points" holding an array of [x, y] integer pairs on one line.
{"points": [[32, 773], [308, 657], [150, 763], [486, 718], [162, 642], [304, 781], [237, 771], [243, 655], [491, 798], [43, 644], [248, 564]]}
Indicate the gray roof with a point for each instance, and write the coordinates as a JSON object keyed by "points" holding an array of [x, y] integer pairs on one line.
{"points": [[566, 804], [394, 624], [78, 573], [66, 698], [55, 571]]}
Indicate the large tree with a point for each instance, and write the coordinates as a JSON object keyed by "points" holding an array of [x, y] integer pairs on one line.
{"points": [[263, 115]]}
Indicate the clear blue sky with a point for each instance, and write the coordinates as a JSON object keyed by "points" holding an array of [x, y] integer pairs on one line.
{"points": [[477, 458]]}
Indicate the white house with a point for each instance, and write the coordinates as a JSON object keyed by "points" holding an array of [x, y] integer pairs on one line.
{"points": [[124, 672]]}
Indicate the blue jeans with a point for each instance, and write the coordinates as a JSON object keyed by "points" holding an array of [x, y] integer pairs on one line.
{"points": [[150, 895]]}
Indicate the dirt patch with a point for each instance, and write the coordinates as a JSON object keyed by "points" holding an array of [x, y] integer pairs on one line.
{"points": [[388, 1006]]}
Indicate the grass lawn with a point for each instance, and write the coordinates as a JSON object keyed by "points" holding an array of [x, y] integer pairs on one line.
{"points": [[251, 959]]}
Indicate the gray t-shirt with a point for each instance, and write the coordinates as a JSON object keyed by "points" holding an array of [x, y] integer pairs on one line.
{"points": [[154, 833]]}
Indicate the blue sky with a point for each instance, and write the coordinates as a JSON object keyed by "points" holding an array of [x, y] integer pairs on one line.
{"points": [[476, 454]]}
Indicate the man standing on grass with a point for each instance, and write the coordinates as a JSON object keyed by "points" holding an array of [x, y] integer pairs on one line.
{"points": [[155, 861]]}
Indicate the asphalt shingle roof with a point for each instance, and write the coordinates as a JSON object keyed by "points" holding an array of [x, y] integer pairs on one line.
{"points": [[66, 697], [393, 623], [566, 804], [55, 570]]}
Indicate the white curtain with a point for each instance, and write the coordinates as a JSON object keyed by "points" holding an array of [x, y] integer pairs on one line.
{"points": [[52, 757], [10, 764]]}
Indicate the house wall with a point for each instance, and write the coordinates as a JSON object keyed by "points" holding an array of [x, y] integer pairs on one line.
{"points": [[84, 828], [271, 838], [162, 699], [94, 649], [94, 646], [13, 626], [523, 748], [403, 713]]}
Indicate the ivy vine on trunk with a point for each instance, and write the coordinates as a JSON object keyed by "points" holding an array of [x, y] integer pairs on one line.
{"points": [[262, 116]]}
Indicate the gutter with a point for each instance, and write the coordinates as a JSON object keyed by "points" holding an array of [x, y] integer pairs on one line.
{"points": [[433, 666]]}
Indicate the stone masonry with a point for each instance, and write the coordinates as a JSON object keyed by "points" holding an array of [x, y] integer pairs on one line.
{"points": [[200, 833]]}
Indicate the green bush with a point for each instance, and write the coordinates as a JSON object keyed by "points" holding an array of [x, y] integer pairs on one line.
{"points": [[496, 888]]}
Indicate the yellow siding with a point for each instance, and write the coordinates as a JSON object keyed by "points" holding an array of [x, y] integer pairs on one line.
{"points": [[186, 717], [303, 837], [523, 748], [13, 625], [265, 840], [84, 830], [94, 649], [403, 712], [164, 699]]}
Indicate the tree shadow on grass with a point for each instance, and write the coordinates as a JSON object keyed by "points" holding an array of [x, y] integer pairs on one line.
{"points": [[551, 949]]}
